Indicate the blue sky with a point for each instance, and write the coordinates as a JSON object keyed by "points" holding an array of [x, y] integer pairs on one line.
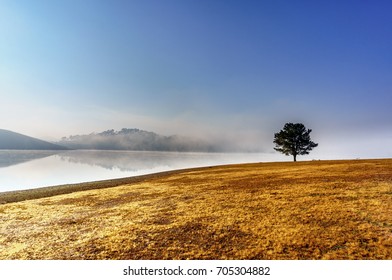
{"points": [[233, 70]]}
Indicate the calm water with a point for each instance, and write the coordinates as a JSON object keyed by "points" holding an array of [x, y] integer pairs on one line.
{"points": [[32, 169]]}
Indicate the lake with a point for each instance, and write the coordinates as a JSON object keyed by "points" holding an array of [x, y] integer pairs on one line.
{"points": [[32, 169]]}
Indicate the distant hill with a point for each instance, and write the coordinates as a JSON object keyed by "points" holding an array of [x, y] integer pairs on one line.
{"points": [[15, 141], [136, 140]]}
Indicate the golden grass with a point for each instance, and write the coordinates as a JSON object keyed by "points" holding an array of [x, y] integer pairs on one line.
{"points": [[303, 210]]}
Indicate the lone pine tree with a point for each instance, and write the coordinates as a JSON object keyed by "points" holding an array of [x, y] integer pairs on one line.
{"points": [[294, 139]]}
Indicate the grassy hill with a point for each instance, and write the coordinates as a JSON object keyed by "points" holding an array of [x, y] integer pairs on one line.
{"points": [[303, 210]]}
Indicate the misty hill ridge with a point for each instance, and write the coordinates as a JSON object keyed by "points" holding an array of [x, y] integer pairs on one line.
{"points": [[10, 140], [136, 140]]}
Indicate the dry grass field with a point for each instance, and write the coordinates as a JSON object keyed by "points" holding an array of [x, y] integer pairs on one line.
{"points": [[302, 210]]}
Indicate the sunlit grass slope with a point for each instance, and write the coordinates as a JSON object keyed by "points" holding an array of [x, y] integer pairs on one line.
{"points": [[303, 210]]}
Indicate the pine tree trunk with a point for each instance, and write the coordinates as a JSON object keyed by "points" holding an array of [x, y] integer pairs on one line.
{"points": [[295, 157]]}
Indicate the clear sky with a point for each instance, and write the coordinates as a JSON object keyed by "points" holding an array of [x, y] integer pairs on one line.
{"points": [[236, 70]]}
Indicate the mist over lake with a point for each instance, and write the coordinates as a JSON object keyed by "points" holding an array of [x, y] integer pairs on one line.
{"points": [[32, 169]]}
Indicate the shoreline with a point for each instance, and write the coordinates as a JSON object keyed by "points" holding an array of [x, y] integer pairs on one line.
{"points": [[49, 191], [42, 192]]}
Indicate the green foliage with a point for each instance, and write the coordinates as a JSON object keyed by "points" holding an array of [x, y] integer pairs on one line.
{"points": [[294, 139]]}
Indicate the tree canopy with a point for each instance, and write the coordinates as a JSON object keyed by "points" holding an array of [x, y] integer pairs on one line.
{"points": [[294, 139]]}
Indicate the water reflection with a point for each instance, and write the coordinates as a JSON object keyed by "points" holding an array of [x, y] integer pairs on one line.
{"points": [[20, 171], [136, 161], [12, 157]]}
